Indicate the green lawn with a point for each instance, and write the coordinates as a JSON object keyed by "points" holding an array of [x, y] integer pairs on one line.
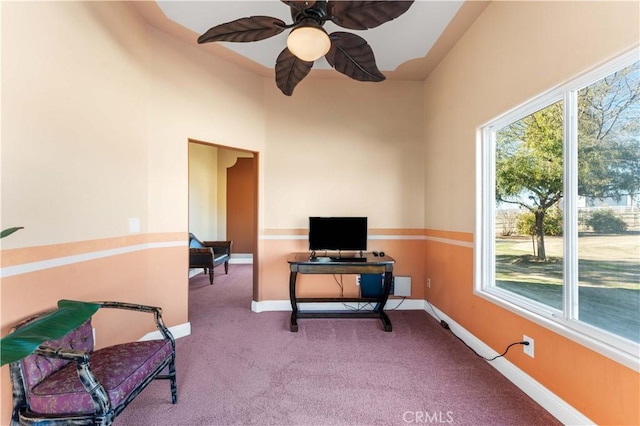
{"points": [[609, 277]]}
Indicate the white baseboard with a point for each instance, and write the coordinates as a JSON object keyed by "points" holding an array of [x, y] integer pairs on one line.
{"points": [[178, 331], [399, 304], [241, 258], [195, 271], [543, 396], [270, 306]]}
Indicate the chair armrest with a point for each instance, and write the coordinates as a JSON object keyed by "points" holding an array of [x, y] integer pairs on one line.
{"points": [[130, 306], [200, 250], [155, 310], [62, 353], [202, 257], [220, 247]]}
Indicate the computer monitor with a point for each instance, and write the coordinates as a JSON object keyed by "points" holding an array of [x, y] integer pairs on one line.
{"points": [[337, 233]]}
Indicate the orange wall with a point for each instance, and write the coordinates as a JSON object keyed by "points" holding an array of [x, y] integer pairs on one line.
{"points": [[406, 246], [127, 269], [142, 269], [601, 389], [514, 51]]}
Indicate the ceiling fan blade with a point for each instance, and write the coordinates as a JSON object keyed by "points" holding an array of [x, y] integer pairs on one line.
{"points": [[290, 71], [299, 5], [362, 15], [351, 55], [253, 28]]}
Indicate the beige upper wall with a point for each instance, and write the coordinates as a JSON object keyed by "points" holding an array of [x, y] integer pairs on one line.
{"points": [[513, 52], [203, 191], [347, 148], [74, 143], [194, 95], [97, 116]]}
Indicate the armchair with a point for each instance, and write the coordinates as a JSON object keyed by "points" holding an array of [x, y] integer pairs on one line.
{"points": [[66, 381], [209, 254]]}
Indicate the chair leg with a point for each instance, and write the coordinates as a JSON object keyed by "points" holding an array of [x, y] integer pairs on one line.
{"points": [[211, 276], [226, 267], [172, 379]]}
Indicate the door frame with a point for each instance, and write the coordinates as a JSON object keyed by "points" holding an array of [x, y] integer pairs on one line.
{"points": [[256, 192]]}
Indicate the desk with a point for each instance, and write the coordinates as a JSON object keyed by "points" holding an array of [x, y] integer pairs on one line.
{"points": [[303, 264]]}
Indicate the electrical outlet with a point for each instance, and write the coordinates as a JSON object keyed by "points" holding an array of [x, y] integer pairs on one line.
{"points": [[134, 224], [530, 348], [428, 282]]}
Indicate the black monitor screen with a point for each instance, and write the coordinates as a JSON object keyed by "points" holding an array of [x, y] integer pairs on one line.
{"points": [[337, 233]]}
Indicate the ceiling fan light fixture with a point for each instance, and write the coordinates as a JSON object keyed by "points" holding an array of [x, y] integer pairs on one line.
{"points": [[308, 42]]}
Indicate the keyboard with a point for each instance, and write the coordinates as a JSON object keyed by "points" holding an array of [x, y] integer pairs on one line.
{"points": [[348, 259]]}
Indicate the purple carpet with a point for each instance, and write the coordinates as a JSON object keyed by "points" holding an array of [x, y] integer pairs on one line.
{"points": [[242, 368]]}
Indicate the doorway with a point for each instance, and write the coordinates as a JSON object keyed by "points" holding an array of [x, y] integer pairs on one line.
{"points": [[223, 199]]}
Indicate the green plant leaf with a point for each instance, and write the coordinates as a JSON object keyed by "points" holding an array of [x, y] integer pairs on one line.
{"points": [[9, 231], [22, 342]]}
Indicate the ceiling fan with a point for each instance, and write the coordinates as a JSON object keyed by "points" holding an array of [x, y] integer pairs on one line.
{"points": [[347, 53]]}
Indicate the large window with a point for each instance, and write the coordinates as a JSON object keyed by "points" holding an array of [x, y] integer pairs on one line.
{"points": [[560, 198]]}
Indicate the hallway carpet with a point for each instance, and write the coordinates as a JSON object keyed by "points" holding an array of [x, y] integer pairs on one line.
{"points": [[243, 368]]}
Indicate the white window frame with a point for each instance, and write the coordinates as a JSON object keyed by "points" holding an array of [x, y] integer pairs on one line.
{"points": [[563, 322]]}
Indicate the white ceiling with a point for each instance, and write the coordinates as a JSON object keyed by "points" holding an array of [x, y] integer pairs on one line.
{"points": [[410, 36]]}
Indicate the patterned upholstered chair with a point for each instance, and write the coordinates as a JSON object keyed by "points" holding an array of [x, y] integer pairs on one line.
{"points": [[209, 254], [66, 382]]}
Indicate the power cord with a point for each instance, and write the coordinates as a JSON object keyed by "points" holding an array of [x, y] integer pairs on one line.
{"points": [[359, 308], [340, 284], [397, 306], [445, 325], [370, 305]]}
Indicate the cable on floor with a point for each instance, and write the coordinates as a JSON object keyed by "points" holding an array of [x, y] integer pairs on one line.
{"points": [[444, 325]]}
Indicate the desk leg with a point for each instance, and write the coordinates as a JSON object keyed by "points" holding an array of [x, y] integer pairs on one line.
{"points": [[293, 326], [386, 322]]}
